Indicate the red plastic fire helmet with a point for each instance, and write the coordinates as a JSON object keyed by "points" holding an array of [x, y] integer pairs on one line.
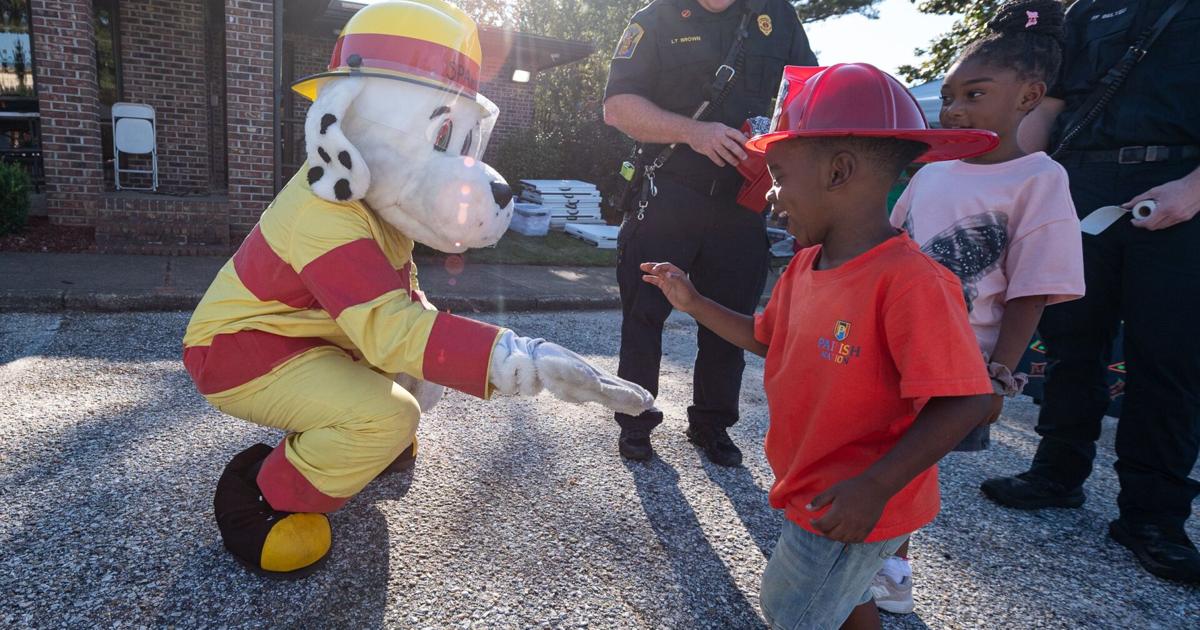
{"points": [[858, 99]]}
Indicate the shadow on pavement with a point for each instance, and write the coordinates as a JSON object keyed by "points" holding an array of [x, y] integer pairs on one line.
{"points": [[709, 591], [749, 500]]}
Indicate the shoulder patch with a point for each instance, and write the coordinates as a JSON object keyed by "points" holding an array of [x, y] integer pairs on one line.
{"points": [[629, 41]]}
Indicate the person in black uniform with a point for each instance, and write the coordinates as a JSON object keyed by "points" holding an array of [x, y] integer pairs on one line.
{"points": [[661, 73], [1144, 145]]}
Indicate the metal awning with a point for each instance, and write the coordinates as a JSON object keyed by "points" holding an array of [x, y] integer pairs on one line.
{"points": [[521, 51]]}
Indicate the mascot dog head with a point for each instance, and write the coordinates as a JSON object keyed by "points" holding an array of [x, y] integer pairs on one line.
{"points": [[398, 122]]}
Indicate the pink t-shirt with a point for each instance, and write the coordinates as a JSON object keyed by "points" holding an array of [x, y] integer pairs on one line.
{"points": [[1007, 230]]}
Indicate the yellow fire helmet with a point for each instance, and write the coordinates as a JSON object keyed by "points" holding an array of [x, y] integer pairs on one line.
{"points": [[429, 42]]}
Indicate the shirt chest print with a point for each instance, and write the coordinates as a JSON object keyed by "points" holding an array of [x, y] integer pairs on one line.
{"points": [[971, 248], [837, 349]]}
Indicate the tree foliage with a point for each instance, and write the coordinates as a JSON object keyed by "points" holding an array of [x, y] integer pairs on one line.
{"points": [[568, 138], [817, 10], [943, 51]]}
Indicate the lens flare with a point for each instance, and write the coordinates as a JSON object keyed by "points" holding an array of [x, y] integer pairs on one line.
{"points": [[466, 190], [455, 264]]}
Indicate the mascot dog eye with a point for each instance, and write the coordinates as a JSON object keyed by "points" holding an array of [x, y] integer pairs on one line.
{"points": [[318, 326]]}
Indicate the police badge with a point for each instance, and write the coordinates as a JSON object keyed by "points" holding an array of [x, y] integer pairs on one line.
{"points": [[764, 25]]}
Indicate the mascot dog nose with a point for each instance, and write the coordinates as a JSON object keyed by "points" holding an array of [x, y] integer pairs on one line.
{"points": [[502, 193]]}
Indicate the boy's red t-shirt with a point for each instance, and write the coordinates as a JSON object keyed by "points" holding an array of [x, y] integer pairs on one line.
{"points": [[854, 353]]}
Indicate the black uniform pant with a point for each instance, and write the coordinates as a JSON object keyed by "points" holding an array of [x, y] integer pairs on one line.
{"points": [[723, 247], [1151, 281]]}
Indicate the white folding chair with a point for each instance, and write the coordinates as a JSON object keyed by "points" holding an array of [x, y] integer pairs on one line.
{"points": [[133, 134]]}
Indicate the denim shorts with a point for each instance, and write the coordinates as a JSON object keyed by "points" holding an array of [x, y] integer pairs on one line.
{"points": [[813, 582]]}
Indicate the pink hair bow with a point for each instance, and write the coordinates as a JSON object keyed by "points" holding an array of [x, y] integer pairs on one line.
{"points": [[1032, 18]]}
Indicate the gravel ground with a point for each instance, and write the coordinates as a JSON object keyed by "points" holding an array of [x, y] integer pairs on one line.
{"points": [[518, 514]]}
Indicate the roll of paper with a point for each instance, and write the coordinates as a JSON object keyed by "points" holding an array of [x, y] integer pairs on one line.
{"points": [[1100, 219], [1144, 209]]}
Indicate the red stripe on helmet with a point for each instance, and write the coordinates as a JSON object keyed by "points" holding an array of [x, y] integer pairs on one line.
{"points": [[406, 54]]}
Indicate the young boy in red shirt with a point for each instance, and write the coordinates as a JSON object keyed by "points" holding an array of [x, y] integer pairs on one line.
{"points": [[872, 372]]}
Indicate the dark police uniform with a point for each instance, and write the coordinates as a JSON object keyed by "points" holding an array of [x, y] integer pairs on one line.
{"points": [[1149, 279], [668, 55]]}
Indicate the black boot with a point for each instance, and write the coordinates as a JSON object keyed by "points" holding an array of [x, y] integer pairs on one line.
{"points": [[1167, 554], [1028, 491], [635, 434], [404, 461], [715, 443], [249, 525], [635, 444]]}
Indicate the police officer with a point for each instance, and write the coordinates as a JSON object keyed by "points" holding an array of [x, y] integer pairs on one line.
{"points": [[661, 73], [1145, 144]]}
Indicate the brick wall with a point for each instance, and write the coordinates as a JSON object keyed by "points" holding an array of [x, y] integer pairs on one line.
{"points": [[249, 100], [307, 54], [310, 55], [163, 57], [68, 98], [133, 223], [515, 101]]}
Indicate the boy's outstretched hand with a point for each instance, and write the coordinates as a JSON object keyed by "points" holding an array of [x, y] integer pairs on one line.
{"points": [[673, 282], [857, 504]]}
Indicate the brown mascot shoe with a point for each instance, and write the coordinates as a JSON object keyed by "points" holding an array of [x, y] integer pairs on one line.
{"points": [[264, 540], [404, 461]]}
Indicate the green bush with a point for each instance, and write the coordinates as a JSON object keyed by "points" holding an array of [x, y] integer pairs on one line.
{"points": [[14, 197]]}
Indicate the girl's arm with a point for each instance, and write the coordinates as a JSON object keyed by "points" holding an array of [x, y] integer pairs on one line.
{"points": [[730, 325], [1021, 317], [1020, 320]]}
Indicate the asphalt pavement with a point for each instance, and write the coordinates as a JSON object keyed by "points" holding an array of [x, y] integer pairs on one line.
{"points": [[518, 514]]}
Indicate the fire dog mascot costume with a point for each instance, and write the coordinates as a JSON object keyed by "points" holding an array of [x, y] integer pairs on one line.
{"points": [[308, 326]]}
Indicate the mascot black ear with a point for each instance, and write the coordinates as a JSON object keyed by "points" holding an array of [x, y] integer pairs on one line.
{"points": [[336, 170]]}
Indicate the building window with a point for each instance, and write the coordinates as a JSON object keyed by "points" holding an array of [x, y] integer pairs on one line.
{"points": [[108, 50], [107, 29], [16, 59], [19, 129]]}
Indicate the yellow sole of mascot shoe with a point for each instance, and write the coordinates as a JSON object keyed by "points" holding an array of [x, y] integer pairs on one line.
{"points": [[266, 541], [404, 461]]}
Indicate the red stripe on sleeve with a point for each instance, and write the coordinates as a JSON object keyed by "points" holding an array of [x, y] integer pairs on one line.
{"points": [[458, 353], [351, 274], [266, 275]]}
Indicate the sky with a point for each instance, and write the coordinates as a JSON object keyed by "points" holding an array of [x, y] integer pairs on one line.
{"points": [[887, 42]]}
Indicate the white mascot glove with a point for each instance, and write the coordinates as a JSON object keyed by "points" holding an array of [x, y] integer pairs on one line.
{"points": [[525, 366], [427, 394]]}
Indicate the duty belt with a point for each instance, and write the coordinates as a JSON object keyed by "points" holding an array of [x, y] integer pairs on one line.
{"points": [[1132, 155]]}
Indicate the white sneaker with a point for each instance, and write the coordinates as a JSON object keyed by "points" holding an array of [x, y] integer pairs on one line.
{"points": [[892, 587]]}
